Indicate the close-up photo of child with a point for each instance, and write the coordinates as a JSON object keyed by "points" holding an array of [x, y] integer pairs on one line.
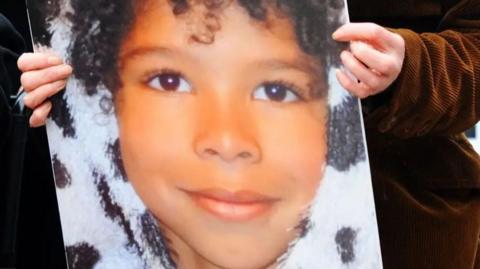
{"points": [[206, 134]]}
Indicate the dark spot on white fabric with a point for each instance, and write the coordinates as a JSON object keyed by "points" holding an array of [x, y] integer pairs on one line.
{"points": [[345, 136], [303, 227], [157, 244], [82, 256], [345, 240], [115, 155], [63, 178], [62, 116], [114, 211]]}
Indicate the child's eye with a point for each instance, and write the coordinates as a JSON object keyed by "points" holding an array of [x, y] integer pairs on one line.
{"points": [[276, 92], [170, 82]]}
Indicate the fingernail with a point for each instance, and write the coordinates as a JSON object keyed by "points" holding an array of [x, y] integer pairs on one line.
{"points": [[27, 99], [32, 120], [54, 60], [66, 69], [60, 83], [335, 35]]}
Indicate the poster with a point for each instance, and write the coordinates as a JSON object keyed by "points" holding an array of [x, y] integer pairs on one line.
{"points": [[473, 137], [206, 134]]}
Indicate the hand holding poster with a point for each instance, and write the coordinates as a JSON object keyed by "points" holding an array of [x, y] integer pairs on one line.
{"points": [[206, 134]]}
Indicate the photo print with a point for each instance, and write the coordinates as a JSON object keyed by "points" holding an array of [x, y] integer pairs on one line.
{"points": [[206, 134]]}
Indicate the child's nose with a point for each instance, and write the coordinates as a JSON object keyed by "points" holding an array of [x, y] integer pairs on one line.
{"points": [[228, 140], [228, 147]]}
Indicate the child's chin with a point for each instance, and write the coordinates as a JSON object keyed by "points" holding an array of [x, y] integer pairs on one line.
{"points": [[244, 262], [251, 256]]}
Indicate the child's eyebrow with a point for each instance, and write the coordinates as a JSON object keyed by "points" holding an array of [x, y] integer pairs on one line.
{"points": [[145, 51], [305, 66]]}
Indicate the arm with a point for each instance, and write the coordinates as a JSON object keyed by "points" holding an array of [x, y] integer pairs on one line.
{"points": [[435, 93]]}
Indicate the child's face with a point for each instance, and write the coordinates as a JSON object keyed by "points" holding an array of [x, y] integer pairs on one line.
{"points": [[224, 142]]}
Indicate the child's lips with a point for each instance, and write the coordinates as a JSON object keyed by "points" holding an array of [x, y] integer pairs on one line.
{"points": [[233, 206]]}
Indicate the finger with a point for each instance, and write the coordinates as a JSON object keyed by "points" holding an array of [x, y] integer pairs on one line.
{"points": [[39, 95], [374, 59], [359, 70], [33, 79], [39, 115], [370, 32], [35, 61], [358, 89]]}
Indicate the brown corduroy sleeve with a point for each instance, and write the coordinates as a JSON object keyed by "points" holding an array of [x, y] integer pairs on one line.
{"points": [[438, 90]]}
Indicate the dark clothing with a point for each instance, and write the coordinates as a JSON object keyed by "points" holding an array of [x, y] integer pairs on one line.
{"points": [[11, 45], [426, 175], [10, 126], [39, 239]]}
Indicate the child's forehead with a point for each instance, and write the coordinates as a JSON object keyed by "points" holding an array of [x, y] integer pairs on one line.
{"points": [[204, 19], [230, 31]]}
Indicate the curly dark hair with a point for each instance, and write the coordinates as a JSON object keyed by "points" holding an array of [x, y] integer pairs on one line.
{"points": [[98, 28]]}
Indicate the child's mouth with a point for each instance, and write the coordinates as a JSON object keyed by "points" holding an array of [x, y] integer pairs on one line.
{"points": [[232, 206]]}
